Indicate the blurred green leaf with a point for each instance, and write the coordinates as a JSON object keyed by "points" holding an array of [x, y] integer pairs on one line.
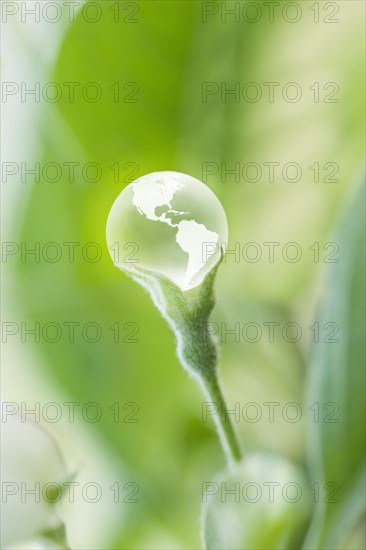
{"points": [[248, 507], [139, 69], [337, 383]]}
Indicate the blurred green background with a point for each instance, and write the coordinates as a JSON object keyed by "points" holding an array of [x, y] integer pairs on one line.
{"points": [[167, 51]]}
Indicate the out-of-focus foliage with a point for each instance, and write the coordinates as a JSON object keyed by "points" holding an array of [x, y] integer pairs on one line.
{"points": [[337, 383], [167, 56], [243, 509], [30, 454]]}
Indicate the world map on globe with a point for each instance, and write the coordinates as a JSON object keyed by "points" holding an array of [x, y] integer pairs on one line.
{"points": [[156, 204]]}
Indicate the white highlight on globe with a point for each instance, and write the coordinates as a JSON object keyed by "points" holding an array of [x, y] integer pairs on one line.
{"points": [[169, 223]]}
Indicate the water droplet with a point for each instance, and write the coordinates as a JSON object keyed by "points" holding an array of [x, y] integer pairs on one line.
{"points": [[169, 223]]}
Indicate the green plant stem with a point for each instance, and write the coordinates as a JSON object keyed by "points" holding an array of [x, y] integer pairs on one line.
{"points": [[224, 426], [188, 314], [197, 352]]}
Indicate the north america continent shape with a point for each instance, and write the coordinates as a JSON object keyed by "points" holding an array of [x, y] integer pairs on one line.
{"points": [[191, 236]]}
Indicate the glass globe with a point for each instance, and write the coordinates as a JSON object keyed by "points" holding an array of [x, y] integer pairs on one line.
{"points": [[168, 223]]}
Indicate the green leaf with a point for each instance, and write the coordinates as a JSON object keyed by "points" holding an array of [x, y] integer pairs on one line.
{"points": [[337, 386], [261, 503], [187, 313], [139, 70]]}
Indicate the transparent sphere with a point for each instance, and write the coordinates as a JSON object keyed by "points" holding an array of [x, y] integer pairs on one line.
{"points": [[169, 223]]}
